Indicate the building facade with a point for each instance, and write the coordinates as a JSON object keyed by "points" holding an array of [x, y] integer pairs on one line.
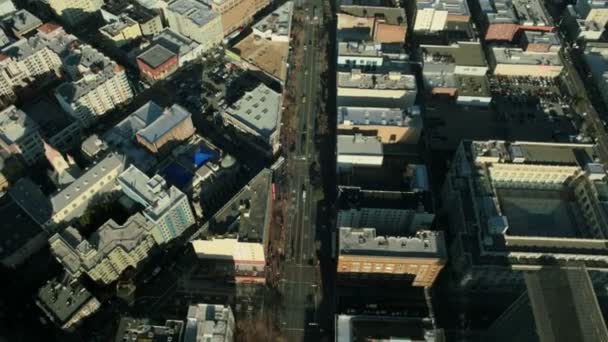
{"points": [[209, 322], [74, 12], [196, 20], [121, 31], [20, 135]]}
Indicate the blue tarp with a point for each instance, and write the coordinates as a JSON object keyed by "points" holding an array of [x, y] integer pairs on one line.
{"points": [[202, 156]]}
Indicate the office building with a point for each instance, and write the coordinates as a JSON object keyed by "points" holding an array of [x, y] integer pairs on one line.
{"points": [[521, 206], [142, 330], [107, 253], [121, 31], [149, 20], [196, 20], [157, 63], [166, 207], [7, 7], [451, 17], [508, 61], [29, 59], [66, 302], [370, 23], [592, 11], [245, 258], [596, 58], [359, 150], [352, 328], [209, 322], [20, 135], [277, 25], [391, 125], [362, 89], [74, 12], [417, 259], [236, 14], [22, 22], [257, 114], [504, 19]]}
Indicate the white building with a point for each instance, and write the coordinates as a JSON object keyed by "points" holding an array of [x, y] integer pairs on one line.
{"points": [[277, 25], [74, 12], [359, 150], [6, 7], [19, 135], [593, 11], [509, 61], [361, 89], [166, 207], [247, 257], [208, 322], [195, 19]]}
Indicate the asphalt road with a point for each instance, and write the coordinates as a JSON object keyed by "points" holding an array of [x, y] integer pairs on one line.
{"points": [[299, 285]]}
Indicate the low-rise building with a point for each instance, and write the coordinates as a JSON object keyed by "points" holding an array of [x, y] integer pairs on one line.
{"points": [[391, 125], [519, 206], [504, 19], [452, 17], [142, 330], [245, 258], [508, 61], [107, 253], [538, 41], [166, 207], [361, 89], [172, 124], [371, 56], [257, 114], [197, 20], [121, 31], [20, 135], [149, 20], [183, 47], [74, 12], [372, 23], [157, 63], [98, 84], [209, 322], [22, 22], [277, 25], [236, 14], [359, 150], [66, 302]]}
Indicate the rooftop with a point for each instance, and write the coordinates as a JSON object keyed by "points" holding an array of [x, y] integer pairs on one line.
{"points": [[364, 241], [174, 42], [142, 330], [357, 198], [359, 145], [258, 109], [270, 56], [209, 322], [164, 123], [362, 80], [15, 124], [48, 36], [472, 85], [509, 55], [229, 249], [392, 15], [522, 12], [198, 12], [32, 200], [62, 299], [247, 213], [19, 229], [155, 56], [536, 37], [116, 27], [384, 328], [278, 22], [23, 21], [76, 254], [133, 9], [460, 53], [47, 113], [376, 116]]}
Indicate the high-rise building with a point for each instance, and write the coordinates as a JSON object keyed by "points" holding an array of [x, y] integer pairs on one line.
{"points": [[209, 322], [98, 84], [521, 206], [20, 136], [165, 206], [74, 12], [197, 20], [108, 252]]}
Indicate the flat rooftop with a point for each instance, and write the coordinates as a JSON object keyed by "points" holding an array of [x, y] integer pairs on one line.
{"points": [[47, 113], [365, 241], [198, 12], [270, 56], [278, 22], [359, 145], [365, 328], [15, 124], [23, 21], [116, 27], [392, 15], [391, 81], [16, 227], [522, 12], [156, 56], [376, 116], [460, 53], [61, 300], [472, 85], [258, 109], [507, 55]]}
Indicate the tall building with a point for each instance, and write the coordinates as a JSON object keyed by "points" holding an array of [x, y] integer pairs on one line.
{"points": [[516, 206], [197, 20], [22, 22], [276, 26], [20, 136], [98, 84], [236, 14], [352, 328], [165, 206], [107, 253], [414, 259], [358, 150], [209, 322], [391, 125], [66, 302], [74, 12], [247, 258]]}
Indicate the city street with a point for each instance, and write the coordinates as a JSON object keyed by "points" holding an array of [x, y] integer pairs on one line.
{"points": [[300, 283]]}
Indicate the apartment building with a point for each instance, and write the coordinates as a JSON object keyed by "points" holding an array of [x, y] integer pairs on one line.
{"points": [[452, 17], [25, 60], [196, 20], [98, 85], [149, 20], [257, 114], [20, 135], [165, 207], [372, 23], [22, 22], [510, 61], [209, 322], [121, 31], [276, 26], [74, 12], [504, 19], [416, 259], [183, 47], [358, 150], [107, 253], [367, 89], [391, 125], [236, 14], [517, 206]]}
